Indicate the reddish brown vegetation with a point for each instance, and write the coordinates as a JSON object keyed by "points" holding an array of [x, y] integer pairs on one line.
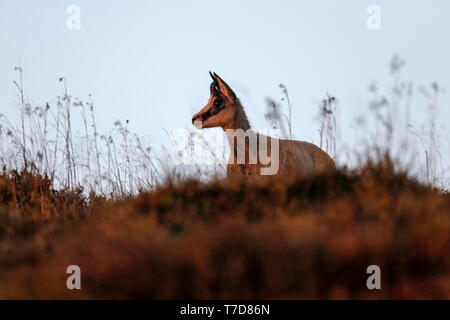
{"points": [[300, 239]]}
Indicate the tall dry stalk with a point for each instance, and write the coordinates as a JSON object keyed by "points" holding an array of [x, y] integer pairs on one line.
{"points": [[22, 113], [327, 131]]}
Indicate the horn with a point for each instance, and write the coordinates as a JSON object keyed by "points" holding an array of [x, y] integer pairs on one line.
{"points": [[213, 77], [213, 87]]}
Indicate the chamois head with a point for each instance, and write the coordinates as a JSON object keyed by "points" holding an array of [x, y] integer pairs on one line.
{"points": [[223, 108]]}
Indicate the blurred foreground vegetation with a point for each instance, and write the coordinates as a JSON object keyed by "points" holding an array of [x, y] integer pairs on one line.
{"points": [[303, 238]]}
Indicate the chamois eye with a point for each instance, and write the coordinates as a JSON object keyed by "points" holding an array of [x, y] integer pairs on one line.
{"points": [[217, 102]]}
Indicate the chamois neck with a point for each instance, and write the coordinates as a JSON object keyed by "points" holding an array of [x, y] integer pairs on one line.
{"points": [[240, 120]]}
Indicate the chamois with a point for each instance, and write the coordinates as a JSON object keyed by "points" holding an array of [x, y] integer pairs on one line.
{"points": [[288, 157]]}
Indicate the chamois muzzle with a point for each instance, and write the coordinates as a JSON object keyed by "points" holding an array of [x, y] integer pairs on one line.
{"points": [[195, 118]]}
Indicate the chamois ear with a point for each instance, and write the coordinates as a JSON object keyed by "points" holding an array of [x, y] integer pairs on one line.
{"points": [[225, 88]]}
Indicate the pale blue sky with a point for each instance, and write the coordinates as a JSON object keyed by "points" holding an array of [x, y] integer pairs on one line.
{"points": [[148, 61]]}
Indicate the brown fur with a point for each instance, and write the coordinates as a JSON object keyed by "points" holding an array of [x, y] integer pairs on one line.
{"points": [[225, 110]]}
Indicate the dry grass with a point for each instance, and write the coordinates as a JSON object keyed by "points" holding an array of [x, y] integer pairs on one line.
{"points": [[309, 238], [117, 163]]}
